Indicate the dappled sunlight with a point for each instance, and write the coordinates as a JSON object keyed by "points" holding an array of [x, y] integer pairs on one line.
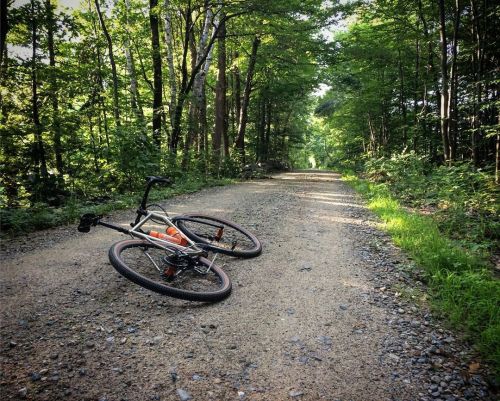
{"points": [[352, 283], [309, 175], [347, 220], [341, 204], [262, 183], [329, 194], [331, 199]]}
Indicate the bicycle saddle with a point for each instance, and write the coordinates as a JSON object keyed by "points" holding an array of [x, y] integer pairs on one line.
{"points": [[159, 179]]}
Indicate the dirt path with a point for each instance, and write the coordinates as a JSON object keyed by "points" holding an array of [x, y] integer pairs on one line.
{"points": [[326, 312]]}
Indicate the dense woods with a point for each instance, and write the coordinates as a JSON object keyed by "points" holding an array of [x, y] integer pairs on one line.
{"points": [[94, 99], [417, 76]]}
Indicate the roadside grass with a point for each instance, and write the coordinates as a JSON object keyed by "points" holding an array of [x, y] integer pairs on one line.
{"points": [[462, 286], [41, 216]]}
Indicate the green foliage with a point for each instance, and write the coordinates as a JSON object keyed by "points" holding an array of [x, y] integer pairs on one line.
{"points": [[462, 199], [463, 288], [42, 216]]}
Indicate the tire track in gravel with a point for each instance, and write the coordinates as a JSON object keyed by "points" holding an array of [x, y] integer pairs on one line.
{"points": [[304, 321]]}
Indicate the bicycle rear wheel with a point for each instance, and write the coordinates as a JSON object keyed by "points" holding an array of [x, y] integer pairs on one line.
{"points": [[219, 235], [168, 272]]}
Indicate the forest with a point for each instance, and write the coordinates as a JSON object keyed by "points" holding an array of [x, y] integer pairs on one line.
{"points": [[97, 96]]}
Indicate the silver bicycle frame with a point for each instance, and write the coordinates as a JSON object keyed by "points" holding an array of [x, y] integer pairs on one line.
{"points": [[191, 249]]}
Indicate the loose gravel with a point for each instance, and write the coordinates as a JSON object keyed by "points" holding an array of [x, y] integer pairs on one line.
{"points": [[330, 311]]}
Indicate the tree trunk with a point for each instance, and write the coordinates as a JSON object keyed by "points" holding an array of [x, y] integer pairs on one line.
{"points": [[56, 123], [453, 85], [157, 78], [237, 92], [267, 141], [38, 145], [134, 91], [197, 115], [116, 109], [477, 64], [240, 139], [220, 96], [186, 80], [416, 95], [445, 122], [4, 27], [170, 61], [402, 99]]}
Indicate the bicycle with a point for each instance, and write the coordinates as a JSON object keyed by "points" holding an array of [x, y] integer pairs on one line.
{"points": [[175, 262]]}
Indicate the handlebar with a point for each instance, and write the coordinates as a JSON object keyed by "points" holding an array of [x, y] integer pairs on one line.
{"points": [[88, 220]]}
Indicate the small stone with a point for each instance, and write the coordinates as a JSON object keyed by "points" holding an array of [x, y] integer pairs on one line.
{"points": [[12, 344], [325, 340], [401, 311], [35, 376], [183, 394], [217, 381], [197, 378], [110, 339], [54, 356], [23, 392], [241, 394], [295, 393], [343, 307], [174, 376]]}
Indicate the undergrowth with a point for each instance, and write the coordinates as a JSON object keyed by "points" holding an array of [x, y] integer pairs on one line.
{"points": [[462, 286], [41, 215]]}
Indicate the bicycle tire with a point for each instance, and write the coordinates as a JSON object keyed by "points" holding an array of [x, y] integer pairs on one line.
{"points": [[197, 227], [126, 259]]}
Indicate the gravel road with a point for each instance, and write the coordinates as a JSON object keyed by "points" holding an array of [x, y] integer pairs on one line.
{"points": [[329, 311]]}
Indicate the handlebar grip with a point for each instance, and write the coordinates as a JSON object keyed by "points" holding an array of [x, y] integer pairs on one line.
{"points": [[86, 221]]}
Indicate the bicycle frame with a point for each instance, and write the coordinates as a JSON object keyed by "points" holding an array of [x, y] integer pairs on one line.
{"points": [[143, 216], [192, 249]]}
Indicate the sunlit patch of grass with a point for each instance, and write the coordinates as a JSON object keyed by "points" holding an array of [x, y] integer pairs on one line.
{"points": [[462, 286]]}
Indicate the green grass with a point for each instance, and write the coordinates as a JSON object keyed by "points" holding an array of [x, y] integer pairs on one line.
{"points": [[41, 216], [462, 286]]}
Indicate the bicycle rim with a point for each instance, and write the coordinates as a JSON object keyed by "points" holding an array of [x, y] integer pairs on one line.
{"points": [[154, 268], [219, 235]]}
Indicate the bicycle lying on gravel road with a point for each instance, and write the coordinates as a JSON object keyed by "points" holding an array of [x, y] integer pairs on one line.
{"points": [[173, 259]]}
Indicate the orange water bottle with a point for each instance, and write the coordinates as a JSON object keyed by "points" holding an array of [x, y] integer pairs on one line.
{"points": [[173, 232], [164, 237]]}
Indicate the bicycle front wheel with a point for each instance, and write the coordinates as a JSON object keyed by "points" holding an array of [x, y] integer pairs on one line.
{"points": [[219, 235], [169, 273]]}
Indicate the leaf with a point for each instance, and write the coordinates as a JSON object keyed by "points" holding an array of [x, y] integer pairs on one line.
{"points": [[474, 367]]}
